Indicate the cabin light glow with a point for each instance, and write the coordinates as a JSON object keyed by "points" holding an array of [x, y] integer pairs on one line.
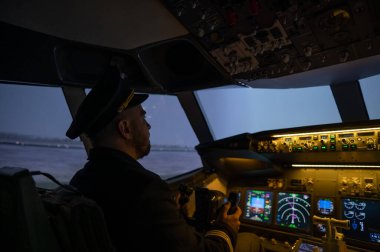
{"points": [[334, 166], [325, 132]]}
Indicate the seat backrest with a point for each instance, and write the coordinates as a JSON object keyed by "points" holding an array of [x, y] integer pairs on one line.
{"points": [[78, 222], [24, 224], [42, 220]]}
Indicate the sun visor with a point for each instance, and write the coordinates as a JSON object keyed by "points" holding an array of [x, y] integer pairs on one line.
{"points": [[182, 65], [84, 66]]}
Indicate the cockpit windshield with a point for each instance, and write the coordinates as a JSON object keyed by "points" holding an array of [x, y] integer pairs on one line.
{"points": [[233, 110]]}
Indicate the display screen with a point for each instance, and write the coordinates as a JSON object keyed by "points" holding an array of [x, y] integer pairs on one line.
{"points": [[364, 218], [325, 206], [258, 206], [293, 210], [308, 247]]}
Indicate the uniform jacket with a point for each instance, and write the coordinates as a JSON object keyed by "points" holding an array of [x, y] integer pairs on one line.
{"points": [[139, 207]]}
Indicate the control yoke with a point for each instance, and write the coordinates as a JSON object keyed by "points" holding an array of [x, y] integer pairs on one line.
{"points": [[333, 239]]}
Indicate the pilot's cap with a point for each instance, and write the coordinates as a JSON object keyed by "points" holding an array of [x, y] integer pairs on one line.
{"points": [[108, 98]]}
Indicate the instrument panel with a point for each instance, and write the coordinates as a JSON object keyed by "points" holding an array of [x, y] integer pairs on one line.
{"points": [[290, 211], [364, 139], [296, 181]]}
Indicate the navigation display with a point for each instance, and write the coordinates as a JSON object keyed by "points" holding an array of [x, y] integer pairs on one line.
{"points": [[364, 219], [293, 210], [258, 206]]}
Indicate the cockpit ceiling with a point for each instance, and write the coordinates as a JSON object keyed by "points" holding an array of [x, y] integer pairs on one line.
{"points": [[189, 45], [120, 24]]}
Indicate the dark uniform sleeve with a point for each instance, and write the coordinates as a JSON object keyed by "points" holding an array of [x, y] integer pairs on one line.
{"points": [[168, 230]]}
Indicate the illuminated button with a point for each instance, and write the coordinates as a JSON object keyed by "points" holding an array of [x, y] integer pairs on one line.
{"points": [[353, 147], [332, 136], [299, 149], [332, 147], [294, 149], [323, 147], [315, 148], [332, 140], [345, 147]]}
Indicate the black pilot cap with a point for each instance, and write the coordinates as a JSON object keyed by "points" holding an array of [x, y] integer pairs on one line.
{"points": [[109, 97]]}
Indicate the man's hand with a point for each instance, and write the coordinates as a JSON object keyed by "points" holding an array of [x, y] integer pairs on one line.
{"points": [[231, 220]]}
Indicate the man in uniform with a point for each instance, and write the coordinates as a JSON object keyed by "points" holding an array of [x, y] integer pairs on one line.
{"points": [[138, 206]]}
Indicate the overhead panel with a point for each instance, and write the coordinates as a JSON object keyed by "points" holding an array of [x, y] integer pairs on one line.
{"points": [[257, 39]]}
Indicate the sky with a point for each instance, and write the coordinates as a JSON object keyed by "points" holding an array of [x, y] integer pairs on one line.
{"points": [[42, 111]]}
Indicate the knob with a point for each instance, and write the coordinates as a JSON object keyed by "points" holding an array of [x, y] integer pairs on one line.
{"points": [[356, 181], [203, 15], [307, 66], [310, 181], [180, 11], [270, 183], [280, 184], [308, 51], [212, 27], [369, 187], [285, 58], [344, 181], [201, 32], [194, 4]]}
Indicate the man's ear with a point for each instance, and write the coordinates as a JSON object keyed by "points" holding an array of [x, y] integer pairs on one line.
{"points": [[124, 128]]}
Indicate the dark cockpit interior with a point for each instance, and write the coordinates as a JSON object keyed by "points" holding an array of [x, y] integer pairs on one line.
{"points": [[315, 187]]}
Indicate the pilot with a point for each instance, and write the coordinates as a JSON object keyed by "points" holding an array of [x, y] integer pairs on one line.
{"points": [[139, 208]]}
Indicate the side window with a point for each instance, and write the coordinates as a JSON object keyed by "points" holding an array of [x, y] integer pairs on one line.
{"points": [[371, 89], [172, 138], [34, 121]]}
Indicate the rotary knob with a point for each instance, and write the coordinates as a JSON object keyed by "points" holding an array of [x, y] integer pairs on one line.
{"points": [[308, 50], [369, 187]]}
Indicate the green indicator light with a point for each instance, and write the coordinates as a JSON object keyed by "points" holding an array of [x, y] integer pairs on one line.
{"points": [[353, 146], [315, 148], [345, 146], [324, 147], [294, 148], [332, 147], [332, 136], [299, 149], [332, 141]]}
